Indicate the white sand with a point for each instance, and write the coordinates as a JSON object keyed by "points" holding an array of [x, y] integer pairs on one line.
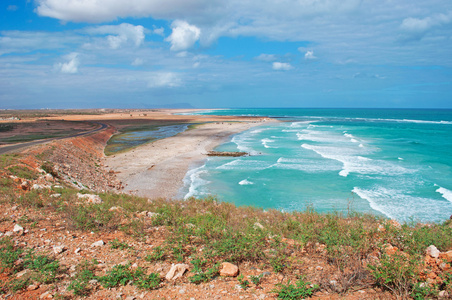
{"points": [[157, 169]]}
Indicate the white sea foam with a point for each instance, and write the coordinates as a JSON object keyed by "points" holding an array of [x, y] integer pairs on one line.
{"points": [[245, 164], [246, 182], [266, 141], [370, 196], [447, 194], [194, 181], [361, 145], [399, 158], [399, 204], [306, 165], [402, 121], [353, 162]]}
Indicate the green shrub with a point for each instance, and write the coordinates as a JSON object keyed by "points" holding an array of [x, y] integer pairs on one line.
{"points": [[23, 172], [289, 291], [116, 244], [119, 275], [80, 284], [244, 284], [158, 254], [46, 267], [146, 282], [397, 273], [9, 255], [256, 280]]}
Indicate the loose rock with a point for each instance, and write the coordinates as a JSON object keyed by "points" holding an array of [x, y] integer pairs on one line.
{"points": [[18, 228], [228, 269], [90, 198], [176, 271], [432, 251], [98, 244], [58, 249]]}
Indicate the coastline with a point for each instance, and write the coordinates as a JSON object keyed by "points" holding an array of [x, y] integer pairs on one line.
{"points": [[158, 169]]}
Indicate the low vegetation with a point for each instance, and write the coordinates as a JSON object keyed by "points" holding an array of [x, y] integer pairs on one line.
{"points": [[205, 232]]}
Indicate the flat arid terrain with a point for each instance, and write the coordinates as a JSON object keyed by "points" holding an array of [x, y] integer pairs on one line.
{"points": [[77, 223]]}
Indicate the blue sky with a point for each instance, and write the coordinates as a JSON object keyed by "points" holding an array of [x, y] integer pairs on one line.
{"points": [[216, 53]]}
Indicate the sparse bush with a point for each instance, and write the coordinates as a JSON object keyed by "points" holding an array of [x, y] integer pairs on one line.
{"points": [[397, 273], [300, 290], [80, 285]]}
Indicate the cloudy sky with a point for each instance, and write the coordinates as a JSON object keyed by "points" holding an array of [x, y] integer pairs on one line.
{"points": [[217, 53]]}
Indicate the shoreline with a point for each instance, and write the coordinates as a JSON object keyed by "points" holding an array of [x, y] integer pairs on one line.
{"points": [[158, 169]]}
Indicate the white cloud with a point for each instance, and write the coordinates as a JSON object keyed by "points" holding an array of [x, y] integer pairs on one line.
{"points": [[70, 67], [159, 31], [164, 79], [122, 34], [12, 7], [137, 62], [266, 57], [282, 66], [309, 55], [416, 28], [108, 10], [184, 35]]}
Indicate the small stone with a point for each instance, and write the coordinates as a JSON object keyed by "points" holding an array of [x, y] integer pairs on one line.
{"points": [[93, 282], [176, 271], [22, 273], [266, 274], [432, 251], [32, 287], [116, 208], [90, 198], [381, 228], [25, 185], [46, 295], [228, 269], [181, 291], [152, 214], [98, 244], [258, 225], [58, 249], [130, 298], [319, 268], [443, 294], [18, 228], [9, 233], [77, 251], [56, 195]]}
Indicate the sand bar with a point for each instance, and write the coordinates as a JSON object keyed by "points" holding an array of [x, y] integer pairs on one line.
{"points": [[157, 169]]}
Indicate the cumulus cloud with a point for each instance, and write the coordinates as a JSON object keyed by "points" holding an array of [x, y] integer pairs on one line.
{"points": [[309, 55], [120, 34], [282, 66], [137, 62], [184, 35], [108, 10], [416, 28], [164, 79], [266, 57], [71, 66]]}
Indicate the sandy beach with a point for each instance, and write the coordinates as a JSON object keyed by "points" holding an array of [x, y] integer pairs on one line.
{"points": [[157, 169]]}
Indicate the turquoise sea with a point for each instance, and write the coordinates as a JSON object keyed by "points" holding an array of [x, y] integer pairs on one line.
{"points": [[392, 162]]}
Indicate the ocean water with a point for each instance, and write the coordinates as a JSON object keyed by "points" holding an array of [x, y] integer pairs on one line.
{"points": [[394, 163]]}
